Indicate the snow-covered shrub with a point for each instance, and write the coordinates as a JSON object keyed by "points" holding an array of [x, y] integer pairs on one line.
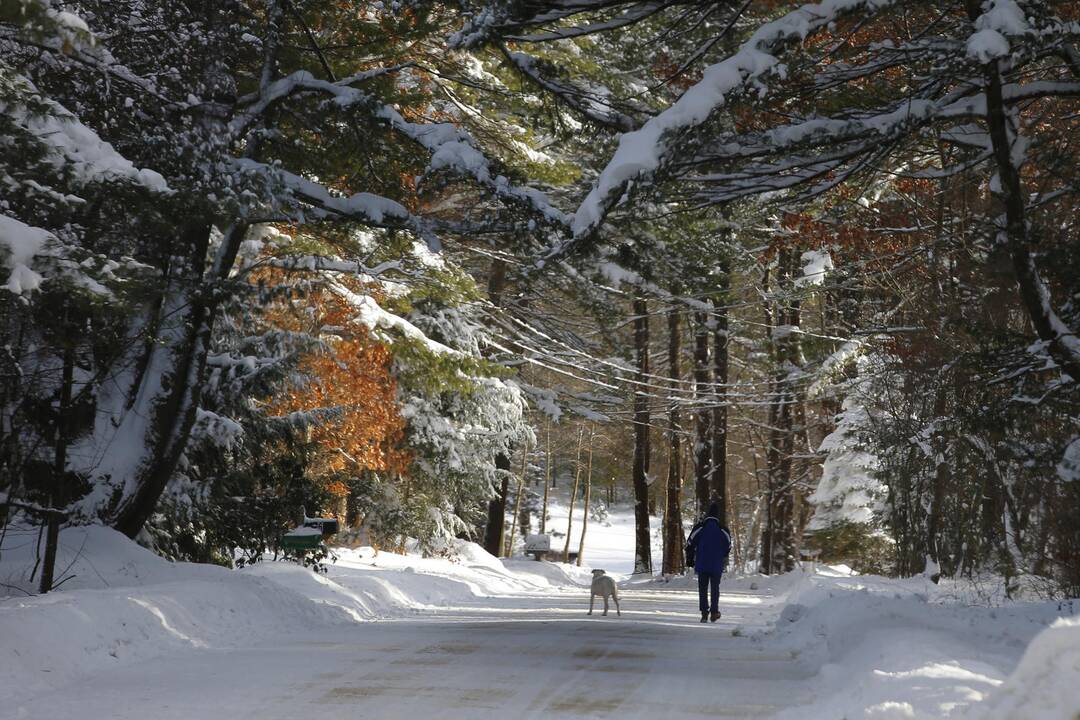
{"points": [[861, 546]]}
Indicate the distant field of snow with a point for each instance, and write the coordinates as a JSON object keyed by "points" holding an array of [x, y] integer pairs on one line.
{"points": [[131, 635], [609, 543]]}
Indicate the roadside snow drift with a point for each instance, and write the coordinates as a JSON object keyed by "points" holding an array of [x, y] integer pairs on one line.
{"points": [[825, 644], [1046, 685], [124, 604]]}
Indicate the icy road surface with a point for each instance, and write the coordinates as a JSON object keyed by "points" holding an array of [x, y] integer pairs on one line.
{"points": [[384, 636], [522, 657]]}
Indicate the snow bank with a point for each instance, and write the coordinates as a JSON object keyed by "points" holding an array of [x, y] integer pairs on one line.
{"points": [[92, 557], [550, 574], [429, 583], [65, 636], [123, 604], [1046, 685], [867, 647], [889, 648]]}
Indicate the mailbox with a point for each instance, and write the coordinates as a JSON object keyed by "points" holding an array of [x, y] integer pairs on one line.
{"points": [[538, 546], [326, 526], [302, 538]]}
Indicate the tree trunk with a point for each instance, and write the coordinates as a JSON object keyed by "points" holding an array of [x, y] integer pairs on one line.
{"points": [[52, 518], [1062, 341], [778, 536], [496, 521], [547, 482], [768, 522], [573, 496], [517, 502], [718, 481], [145, 415], [145, 411], [496, 516], [791, 351], [779, 520], [784, 528], [941, 481], [588, 498], [704, 397], [525, 519], [642, 540], [172, 419], [673, 530]]}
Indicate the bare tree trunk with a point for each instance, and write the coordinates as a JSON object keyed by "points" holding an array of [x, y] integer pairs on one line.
{"points": [[778, 536], [588, 498], [573, 495], [496, 521], [517, 500], [547, 482], [52, 519], [673, 529], [768, 522], [704, 397], [525, 518], [784, 495], [718, 481], [773, 506], [158, 423], [791, 354], [496, 516], [642, 541], [941, 480]]}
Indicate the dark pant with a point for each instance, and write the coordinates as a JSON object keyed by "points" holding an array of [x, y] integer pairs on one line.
{"points": [[708, 581]]}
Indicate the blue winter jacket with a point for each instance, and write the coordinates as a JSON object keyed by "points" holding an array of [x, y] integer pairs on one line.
{"points": [[712, 543]]}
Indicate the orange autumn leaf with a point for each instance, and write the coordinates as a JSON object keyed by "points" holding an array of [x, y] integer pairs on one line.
{"points": [[349, 380]]}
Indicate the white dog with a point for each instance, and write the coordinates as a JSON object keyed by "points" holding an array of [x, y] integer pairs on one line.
{"points": [[603, 586]]}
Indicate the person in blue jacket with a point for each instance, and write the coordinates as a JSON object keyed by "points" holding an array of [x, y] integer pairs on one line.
{"points": [[708, 546]]}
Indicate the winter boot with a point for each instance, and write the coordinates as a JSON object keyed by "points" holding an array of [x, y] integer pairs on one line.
{"points": [[713, 616]]}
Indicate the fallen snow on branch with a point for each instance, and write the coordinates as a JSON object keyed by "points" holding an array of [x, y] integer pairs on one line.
{"points": [[642, 152], [21, 243], [74, 146], [450, 147], [375, 317], [815, 264]]}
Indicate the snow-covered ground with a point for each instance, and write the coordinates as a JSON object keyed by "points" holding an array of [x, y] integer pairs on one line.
{"points": [[609, 543], [387, 636]]}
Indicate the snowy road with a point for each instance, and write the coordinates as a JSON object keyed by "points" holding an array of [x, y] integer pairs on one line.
{"points": [[384, 636], [531, 656]]}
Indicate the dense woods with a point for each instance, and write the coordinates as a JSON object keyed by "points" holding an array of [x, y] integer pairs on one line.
{"points": [[409, 263]]}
